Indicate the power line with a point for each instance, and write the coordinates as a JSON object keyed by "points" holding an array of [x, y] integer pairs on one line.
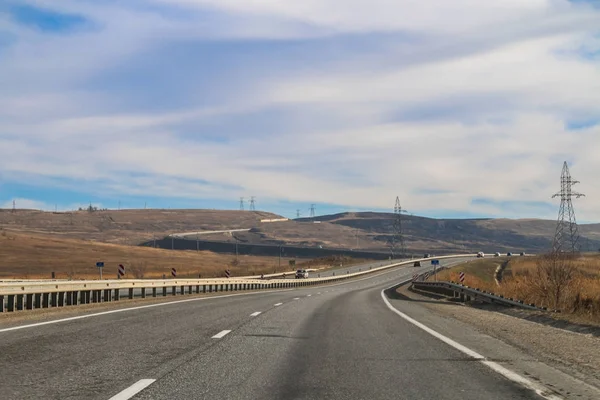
{"points": [[312, 210], [252, 204], [566, 237], [241, 204]]}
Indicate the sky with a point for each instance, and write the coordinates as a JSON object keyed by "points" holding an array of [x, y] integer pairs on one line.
{"points": [[461, 108]]}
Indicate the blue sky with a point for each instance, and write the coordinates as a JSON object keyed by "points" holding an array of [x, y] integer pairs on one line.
{"points": [[461, 108]]}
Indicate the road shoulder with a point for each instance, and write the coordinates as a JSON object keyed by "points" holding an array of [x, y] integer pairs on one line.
{"points": [[550, 355]]}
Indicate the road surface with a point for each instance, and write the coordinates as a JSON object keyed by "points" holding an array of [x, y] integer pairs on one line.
{"points": [[339, 341]]}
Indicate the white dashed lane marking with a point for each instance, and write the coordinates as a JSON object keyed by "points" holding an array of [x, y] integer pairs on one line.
{"points": [[254, 314], [221, 334], [278, 304]]}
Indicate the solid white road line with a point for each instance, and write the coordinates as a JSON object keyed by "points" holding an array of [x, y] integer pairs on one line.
{"points": [[308, 295], [221, 334], [254, 314], [296, 298], [278, 304], [513, 376], [133, 389]]}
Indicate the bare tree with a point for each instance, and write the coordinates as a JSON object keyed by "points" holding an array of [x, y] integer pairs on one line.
{"points": [[139, 269], [553, 276]]}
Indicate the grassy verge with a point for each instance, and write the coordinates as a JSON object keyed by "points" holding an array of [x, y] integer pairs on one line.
{"points": [[477, 272], [36, 256], [570, 285]]}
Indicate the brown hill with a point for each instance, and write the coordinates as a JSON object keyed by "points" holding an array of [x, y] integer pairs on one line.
{"points": [[127, 226]]}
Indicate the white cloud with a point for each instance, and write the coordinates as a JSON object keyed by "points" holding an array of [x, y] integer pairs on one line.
{"points": [[466, 97]]}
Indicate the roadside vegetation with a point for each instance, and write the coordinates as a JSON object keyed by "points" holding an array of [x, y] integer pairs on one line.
{"points": [[570, 284], [36, 256]]}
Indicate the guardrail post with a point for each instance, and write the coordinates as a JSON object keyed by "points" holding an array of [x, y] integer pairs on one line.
{"points": [[68, 299], [164, 290], [10, 306], [468, 298], [217, 290], [19, 302], [130, 293], [53, 299], [190, 289], [107, 295], [143, 293], [197, 289], [182, 289], [117, 295], [75, 295], [203, 288], [1, 303], [37, 300], [29, 301], [173, 290], [61, 299], [85, 296]]}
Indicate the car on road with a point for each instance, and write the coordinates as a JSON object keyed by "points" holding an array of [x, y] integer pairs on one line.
{"points": [[497, 254], [522, 254], [480, 254], [509, 254], [301, 273], [417, 263], [426, 255]]}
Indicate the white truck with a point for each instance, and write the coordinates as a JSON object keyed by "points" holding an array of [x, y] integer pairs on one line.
{"points": [[301, 273], [480, 254]]}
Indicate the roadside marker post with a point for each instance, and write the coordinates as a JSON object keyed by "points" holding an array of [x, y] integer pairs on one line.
{"points": [[227, 273], [461, 277], [435, 264], [100, 265], [173, 272], [121, 271]]}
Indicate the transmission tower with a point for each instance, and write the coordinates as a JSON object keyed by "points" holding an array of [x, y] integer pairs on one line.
{"points": [[312, 210], [14, 209], [298, 213], [241, 204], [252, 204], [397, 245], [566, 237]]}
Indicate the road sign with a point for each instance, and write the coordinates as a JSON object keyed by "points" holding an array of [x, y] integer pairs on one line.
{"points": [[100, 264], [435, 262], [121, 270], [173, 272]]}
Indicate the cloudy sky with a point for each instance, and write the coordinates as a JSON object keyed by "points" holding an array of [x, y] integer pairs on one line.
{"points": [[459, 107]]}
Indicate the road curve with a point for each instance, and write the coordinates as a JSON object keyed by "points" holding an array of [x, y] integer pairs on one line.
{"points": [[332, 342]]}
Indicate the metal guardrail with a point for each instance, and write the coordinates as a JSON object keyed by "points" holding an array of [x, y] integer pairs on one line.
{"points": [[32, 295], [467, 293]]}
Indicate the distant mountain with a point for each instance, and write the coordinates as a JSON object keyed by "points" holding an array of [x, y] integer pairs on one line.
{"points": [[370, 231]]}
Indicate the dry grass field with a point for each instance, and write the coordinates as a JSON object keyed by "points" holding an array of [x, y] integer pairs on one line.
{"points": [[569, 285], [34, 256]]}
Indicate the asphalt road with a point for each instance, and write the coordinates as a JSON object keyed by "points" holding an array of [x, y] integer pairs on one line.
{"points": [[331, 342]]}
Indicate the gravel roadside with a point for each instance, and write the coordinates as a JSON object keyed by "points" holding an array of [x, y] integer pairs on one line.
{"points": [[574, 353]]}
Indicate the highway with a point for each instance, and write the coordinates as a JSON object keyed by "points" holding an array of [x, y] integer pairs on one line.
{"points": [[341, 341]]}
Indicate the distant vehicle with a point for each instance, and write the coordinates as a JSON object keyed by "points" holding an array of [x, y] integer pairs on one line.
{"points": [[426, 255], [301, 273], [497, 254], [480, 254], [509, 254], [522, 254], [417, 263]]}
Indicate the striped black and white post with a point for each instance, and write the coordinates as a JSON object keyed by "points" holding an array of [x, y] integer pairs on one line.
{"points": [[461, 277], [227, 273], [173, 272], [121, 270]]}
